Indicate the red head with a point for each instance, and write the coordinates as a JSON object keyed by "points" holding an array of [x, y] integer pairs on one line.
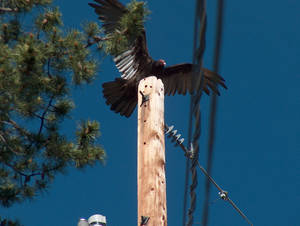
{"points": [[162, 62]]}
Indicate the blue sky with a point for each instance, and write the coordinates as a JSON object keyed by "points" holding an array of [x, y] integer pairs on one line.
{"points": [[256, 156]]}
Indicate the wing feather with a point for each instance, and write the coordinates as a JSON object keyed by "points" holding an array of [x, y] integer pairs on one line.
{"points": [[124, 55], [178, 78], [127, 66], [110, 12], [131, 74], [172, 87], [180, 85], [124, 61], [131, 62], [134, 61]]}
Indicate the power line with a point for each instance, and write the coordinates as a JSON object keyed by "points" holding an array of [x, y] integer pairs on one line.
{"points": [[213, 108], [169, 130], [224, 194], [193, 136]]}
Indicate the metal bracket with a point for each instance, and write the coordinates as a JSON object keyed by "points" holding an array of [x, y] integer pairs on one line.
{"points": [[144, 220], [145, 98], [191, 152], [223, 195]]}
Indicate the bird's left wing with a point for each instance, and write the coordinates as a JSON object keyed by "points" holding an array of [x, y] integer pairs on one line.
{"points": [[178, 78], [110, 13], [135, 60]]}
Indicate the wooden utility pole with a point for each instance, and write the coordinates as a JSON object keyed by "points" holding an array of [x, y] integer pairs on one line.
{"points": [[151, 153]]}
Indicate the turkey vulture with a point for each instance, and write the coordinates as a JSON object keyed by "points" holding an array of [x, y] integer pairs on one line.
{"points": [[136, 64]]}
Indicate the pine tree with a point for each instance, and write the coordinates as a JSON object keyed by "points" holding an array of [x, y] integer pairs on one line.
{"points": [[130, 27], [39, 62]]}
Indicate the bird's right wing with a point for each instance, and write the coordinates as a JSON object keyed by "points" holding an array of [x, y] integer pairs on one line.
{"points": [[179, 78], [110, 13]]}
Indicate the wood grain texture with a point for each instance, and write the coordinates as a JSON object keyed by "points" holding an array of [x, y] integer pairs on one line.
{"points": [[151, 153]]}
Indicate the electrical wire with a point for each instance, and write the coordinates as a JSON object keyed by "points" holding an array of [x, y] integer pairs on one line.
{"points": [[194, 116], [213, 108], [189, 154], [195, 113]]}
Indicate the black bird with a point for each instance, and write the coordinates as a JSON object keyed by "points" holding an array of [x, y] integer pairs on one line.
{"points": [[136, 64]]}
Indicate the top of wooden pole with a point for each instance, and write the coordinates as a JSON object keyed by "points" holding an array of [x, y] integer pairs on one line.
{"points": [[151, 153]]}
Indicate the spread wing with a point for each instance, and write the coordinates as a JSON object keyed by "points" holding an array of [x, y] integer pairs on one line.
{"points": [[135, 61], [178, 78], [110, 13]]}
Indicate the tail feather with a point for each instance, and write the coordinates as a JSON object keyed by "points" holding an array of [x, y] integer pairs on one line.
{"points": [[121, 96], [120, 105], [130, 109]]}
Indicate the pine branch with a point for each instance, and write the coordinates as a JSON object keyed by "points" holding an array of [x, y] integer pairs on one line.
{"points": [[44, 114], [7, 10], [96, 39], [8, 146]]}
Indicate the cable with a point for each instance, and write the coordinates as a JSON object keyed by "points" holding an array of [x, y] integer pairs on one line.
{"points": [[213, 109], [189, 154], [193, 136]]}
